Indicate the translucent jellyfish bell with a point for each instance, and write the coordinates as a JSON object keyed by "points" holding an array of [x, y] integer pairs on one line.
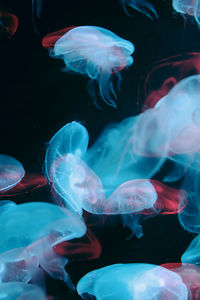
{"points": [[28, 234], [97, 53], [22, 291], [11, 172], [71, 139], [143, 6], [132, 281]]}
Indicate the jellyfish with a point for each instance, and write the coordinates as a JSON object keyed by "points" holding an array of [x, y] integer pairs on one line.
{"points": [[143, 6], [192, 253], [70, 139], [11, 172], [8, 23], [98, 53], [190, 275], [189, 7], [29, 233], [132, 281], [22, 291], [164, 74]]}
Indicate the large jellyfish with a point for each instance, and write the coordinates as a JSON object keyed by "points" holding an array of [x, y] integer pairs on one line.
{"points": [[143, 6], [189, 7], [28, 234], [132, 281], [22, 291], [11, 172], [97, 53]]}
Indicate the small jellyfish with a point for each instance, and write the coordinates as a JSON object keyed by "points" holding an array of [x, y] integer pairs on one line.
{"points": [[29, 233], [192, 253], [188, 7], [37, 7], [97, 53], [143, 6], [71, 139], [132, 281], [190, 275], [8, 23], [21, 291], [11, 172]]}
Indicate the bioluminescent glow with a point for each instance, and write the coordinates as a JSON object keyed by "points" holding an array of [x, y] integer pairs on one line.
{"points": [[22, 291], [143, 6], [11, 172], [98, 53], [132, 281], [29, 233]]}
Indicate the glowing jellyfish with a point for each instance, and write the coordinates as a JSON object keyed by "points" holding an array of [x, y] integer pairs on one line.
{"points": [[97, 53], [172, 128], [11, 172], [192, 253], [28, 234], [190, 275], [8, 23], [70, 139], [188, 7], [143, 6], [22, 291], [163, 75], [132, 281]]}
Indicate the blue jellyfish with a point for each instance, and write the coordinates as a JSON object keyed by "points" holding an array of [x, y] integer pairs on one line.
{"points": [[189, 7], [28, 234], [143, 6], [97, 53], [132, 281], [11, 172], [192, 253], [71, 139], [22, 291]]}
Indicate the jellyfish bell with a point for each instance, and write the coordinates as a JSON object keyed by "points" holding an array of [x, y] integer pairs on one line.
{"points": [[11, 172], [133, 281], [98, 53], [30, 231]]}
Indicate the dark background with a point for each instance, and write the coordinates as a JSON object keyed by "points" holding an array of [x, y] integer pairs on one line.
{"points": [[37, 99]]}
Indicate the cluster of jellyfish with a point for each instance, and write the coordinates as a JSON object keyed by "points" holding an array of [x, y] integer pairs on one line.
{"points": [[114, 176]]}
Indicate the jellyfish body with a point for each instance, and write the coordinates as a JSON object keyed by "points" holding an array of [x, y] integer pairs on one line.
{"points": [[97, 53], [29, 233], [70, 139], [132, 281], [189, 7], [8, 23], [22, 291], [192, 253], [143, 6], [11, 172], [190, 275]]}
